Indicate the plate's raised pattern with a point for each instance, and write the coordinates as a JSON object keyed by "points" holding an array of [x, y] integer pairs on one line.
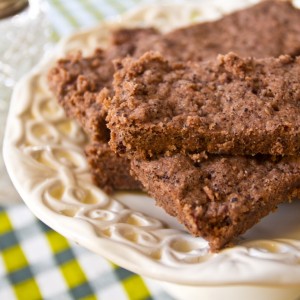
{"points": [[54, 180]]}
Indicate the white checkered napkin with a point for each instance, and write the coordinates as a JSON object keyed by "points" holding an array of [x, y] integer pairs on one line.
{"points": [[38, 263]]}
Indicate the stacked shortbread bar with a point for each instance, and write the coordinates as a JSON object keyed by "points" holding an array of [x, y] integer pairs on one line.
{"points": [[205, 117]]}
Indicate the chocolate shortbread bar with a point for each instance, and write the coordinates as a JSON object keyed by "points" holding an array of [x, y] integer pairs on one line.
{"points": [[219, 197], [229, 105]]}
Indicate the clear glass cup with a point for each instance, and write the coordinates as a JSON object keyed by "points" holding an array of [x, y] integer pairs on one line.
{"points": [[24, 38]]}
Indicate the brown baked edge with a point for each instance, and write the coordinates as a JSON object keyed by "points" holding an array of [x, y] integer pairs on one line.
{"points": [[109, 171]]}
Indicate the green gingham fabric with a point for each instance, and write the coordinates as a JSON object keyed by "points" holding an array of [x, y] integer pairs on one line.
{"points": [[35, 261]]}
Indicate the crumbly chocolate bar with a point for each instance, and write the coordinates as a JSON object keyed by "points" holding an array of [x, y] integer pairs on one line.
{"points": [[220, 197], [229, 105]]}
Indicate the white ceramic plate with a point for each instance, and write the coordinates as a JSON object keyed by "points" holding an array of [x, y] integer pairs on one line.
{"points": [[44, 156]]}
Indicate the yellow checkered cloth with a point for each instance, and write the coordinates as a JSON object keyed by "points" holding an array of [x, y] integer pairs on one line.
{"points": [[38, 263]]}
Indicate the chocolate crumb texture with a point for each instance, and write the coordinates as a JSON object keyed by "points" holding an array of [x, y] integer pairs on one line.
{"points": [[109, 171], [229, 105], [220, 197]]}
